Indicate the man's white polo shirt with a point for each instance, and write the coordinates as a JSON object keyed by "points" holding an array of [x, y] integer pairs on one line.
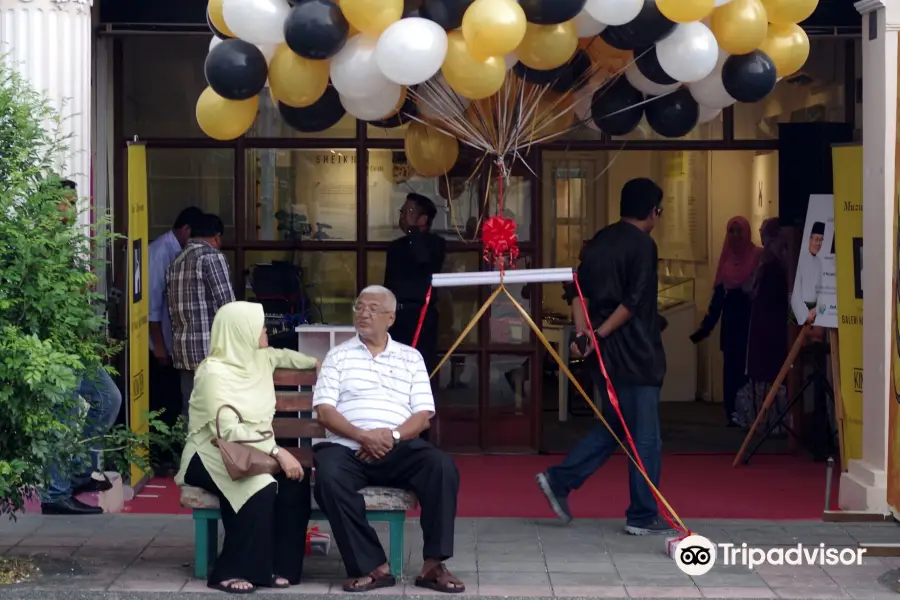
{"points": [[373, 392]]}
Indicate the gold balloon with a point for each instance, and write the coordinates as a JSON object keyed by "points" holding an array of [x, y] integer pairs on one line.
{"points": [[685, 11], [787, 46], [740, 26], [789, 12], [297, 81], [372, 16], [223, 119], [353, 30], [469, 77], [430, 152], [493, 27], [546, 47], [214, 10]]}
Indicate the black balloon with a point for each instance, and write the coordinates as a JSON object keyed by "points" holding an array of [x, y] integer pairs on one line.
{"points": [[215, 31], [616, 107], [673, 115], [236, 70], [749, 77], [411, 8], [571, 76], [648, 64], [321, 116], [408, 110], [446, 13], [551, 12], [649, 27], [316, 29]]}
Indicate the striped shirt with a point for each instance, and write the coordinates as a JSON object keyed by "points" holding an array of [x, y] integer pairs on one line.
{"points": [[373, 392]]}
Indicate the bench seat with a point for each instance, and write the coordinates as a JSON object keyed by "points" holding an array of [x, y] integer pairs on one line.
{"points": [[377, 498]]}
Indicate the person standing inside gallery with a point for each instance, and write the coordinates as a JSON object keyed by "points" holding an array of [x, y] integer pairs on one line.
{"points": [[411, 262], [730, 303], [618, 275], [805, 297], [198, 284], [164, 383]]}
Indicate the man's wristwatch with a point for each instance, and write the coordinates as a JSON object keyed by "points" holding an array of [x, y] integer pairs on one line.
{"points": [[396, 435], [274, 452]]}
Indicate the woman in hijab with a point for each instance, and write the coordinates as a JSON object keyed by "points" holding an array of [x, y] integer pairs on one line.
{"points": [[731, 303], [768, 342], [265, 518]]}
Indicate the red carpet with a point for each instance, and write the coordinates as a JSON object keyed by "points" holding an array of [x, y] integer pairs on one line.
{"points": [[771, 487]]}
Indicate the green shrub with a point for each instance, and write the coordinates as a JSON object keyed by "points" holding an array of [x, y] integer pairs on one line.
{"points": [[52, 322]]}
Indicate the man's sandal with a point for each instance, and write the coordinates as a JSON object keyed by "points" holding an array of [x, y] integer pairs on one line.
{"points": [[440, 579], [229, 586], [376, 580]]}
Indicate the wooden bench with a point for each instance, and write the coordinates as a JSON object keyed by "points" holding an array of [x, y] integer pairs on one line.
{"points": [[382, 504]]}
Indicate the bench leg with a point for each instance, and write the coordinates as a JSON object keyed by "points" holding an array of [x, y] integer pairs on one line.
{"points": [[206, 545], [397, 547]]}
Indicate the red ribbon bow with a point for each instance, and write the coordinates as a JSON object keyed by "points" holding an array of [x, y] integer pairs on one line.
{"points": [[498, 234]]}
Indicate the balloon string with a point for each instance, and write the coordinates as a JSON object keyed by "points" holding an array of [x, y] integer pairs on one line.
{"points": [[614, 402]]}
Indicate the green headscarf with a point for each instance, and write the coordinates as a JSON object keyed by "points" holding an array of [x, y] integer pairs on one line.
{"points": [[237, 371]]}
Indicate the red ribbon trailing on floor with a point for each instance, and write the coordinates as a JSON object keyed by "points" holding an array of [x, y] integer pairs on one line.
{"points": [[614, 401]]}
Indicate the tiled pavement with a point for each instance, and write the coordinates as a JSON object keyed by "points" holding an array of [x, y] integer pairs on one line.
{"points": [[130, 556]]}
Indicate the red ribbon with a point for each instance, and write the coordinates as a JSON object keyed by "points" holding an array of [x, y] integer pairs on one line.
{"points": [[498, 234], [312, 531], [422, 317]]}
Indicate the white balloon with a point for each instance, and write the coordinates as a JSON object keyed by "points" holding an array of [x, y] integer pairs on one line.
{"points": [[441, 102], [374, 107], [639, 82], [411, 50], [215, 41], [268, 51], [587, 25], [722, 2], [707, 114], [689, 54], [614, 12], [511, 59], [710, 91], [257, 21], [354, 70]]}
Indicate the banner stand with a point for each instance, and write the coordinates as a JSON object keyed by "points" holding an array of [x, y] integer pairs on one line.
{"points": [[833, 340]]}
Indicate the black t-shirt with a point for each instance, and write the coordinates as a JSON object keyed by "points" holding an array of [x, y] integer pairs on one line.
{"points": [[619, 266], [411, 261]]}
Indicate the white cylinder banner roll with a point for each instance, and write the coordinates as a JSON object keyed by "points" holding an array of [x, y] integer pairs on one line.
{"points": [[515, 276], [639, 82], [411, 51], [354, 70], [614, 12], [689, 54], [710, 91]]}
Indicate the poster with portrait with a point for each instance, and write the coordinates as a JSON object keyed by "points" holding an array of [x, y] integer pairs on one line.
{"points": [[815, 286]]}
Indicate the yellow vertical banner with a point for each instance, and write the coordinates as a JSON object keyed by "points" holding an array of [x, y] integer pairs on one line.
{"points": [[893, 471], [848, 241], [138, 301]]}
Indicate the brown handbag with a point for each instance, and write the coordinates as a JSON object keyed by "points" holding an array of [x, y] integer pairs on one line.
{"points": [[242, 461]]}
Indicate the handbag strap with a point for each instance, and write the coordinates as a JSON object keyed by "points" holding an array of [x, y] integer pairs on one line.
{"points": [[266, 435]]}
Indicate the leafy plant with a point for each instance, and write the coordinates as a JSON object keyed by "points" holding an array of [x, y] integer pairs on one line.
{"points": [[52, 321]]}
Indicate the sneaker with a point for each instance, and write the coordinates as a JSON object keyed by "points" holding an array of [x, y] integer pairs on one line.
{"points": [[655, 528], [559, 504]]}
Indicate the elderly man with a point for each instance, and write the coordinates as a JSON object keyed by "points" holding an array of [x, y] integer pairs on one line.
{"points": [[374, 398]]}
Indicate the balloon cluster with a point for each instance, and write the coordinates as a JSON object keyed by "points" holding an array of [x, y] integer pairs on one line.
{"points": [[388, 62]]}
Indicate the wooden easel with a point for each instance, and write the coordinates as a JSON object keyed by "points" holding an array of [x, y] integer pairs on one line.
{"points": [[773, 393]]}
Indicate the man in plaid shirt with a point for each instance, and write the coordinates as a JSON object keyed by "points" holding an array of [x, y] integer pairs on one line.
{"points": [[198, 284]]}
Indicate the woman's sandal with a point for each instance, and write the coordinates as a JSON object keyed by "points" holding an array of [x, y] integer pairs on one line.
{"points": [[440, 579], [276, 585], [228, 586], [377, 580]]}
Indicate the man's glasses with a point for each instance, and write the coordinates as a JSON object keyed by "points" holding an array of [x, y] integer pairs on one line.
{"points": [[659, 211], [362, 309]]}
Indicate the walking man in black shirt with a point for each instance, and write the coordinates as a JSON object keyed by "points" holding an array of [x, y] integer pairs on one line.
{"points": [[410, 263], [618, 275]]}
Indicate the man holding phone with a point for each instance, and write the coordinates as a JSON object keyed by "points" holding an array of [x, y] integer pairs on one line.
{"points": [[618, 274]]}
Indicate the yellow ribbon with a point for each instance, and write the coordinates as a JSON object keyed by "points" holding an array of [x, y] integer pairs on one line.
{"points": [[565, 369]]}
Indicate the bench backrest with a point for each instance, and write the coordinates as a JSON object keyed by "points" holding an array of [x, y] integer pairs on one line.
{"points": [[294, 419]]}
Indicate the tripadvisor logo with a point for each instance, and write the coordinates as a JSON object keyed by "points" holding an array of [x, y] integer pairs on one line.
{"points": [[697, 555]]}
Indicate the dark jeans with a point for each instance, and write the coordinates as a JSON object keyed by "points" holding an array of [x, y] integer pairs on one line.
{"points": [[640, 408]]}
